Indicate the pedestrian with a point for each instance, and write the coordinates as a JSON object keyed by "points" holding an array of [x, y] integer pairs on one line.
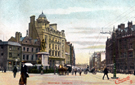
{"points": [[14, 71], [24, 74], [75, 71], [106, 73], [93, 70], [72, 71], [54, 70], [4, 69], [80, 71]]}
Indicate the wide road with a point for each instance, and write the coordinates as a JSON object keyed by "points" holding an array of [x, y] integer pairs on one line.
{"points": [[51, 79]]}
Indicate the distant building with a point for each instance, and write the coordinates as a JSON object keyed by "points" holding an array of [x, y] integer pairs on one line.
{"points": [[67, 53], [103, 65], [72, 55], [96, 59], [82, 66], [10, 54]]}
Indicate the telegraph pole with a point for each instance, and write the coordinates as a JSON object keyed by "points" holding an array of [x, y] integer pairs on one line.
{"points": [[114, 56]]}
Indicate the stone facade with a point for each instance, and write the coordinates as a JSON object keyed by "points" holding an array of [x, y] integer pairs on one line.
{"points": [[54, 39], [67, 52], [10, 55], [120, 48], [55, 43], [29, 47]]}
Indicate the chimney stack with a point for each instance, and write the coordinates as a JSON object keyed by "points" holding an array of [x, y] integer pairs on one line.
{"points": [[122, 26], [129, 24]]}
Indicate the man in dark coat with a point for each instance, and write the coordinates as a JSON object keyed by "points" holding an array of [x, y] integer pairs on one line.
{"points": [[75, 70], [14, 71], [106, 73], [54, 70], [24, 73]]}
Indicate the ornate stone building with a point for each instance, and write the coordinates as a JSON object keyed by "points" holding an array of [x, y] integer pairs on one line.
{"points": [[121, 48], [54, 39]]}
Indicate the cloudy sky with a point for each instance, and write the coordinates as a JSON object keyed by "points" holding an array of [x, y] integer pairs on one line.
{"points": [[82, 20]]}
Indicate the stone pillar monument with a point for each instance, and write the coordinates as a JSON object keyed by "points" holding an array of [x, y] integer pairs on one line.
{"points": [[43, 55]]}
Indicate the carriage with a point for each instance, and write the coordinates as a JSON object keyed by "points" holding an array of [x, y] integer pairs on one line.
{"points": [[62, 70]]}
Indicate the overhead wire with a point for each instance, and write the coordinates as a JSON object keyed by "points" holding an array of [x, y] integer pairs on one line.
{"points": [[118, 17]]}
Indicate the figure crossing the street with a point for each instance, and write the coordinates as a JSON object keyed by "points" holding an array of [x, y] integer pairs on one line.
{"points": [[105, 73], [14, 71]]}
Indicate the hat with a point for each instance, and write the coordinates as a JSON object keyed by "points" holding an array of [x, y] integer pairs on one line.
{"points": [[23, 61]]}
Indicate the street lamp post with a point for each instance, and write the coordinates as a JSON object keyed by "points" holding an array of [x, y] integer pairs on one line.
{"points": [[114, 69], [114, 61]]}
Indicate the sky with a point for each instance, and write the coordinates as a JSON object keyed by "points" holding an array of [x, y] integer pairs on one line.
{"points": [[82, 20]]}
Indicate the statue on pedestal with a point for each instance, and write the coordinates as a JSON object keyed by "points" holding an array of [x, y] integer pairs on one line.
{"points": [[43, 45]]}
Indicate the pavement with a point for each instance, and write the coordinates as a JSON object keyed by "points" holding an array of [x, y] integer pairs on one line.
{"points": [[51, 79]]}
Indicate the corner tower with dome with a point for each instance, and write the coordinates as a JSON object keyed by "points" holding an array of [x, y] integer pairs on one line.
{"points": [[54, 39]]}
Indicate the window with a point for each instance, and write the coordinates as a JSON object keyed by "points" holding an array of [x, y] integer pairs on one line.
{"points": [[49, 45], [27, 57], [27, 49], [59, 54], [1, 47], [36, 49], [55, 46], [32, 49], [10, 48], [10, 54], [131, 54], [131, 67], [52, 53], [55, 53], [23, 57], [24, 48], [18, 48], [2, 54], [49, 52], [125, 55], [130, 45], [18, 54], [32, 57]]}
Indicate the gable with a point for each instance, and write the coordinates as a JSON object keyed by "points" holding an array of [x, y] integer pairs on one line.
{"points": [[12, 39]]}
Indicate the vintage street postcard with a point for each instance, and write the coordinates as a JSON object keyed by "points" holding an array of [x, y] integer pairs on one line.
{"points": [[67, 42]]}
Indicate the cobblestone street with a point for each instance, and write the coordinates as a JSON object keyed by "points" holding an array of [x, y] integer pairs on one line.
{"points": [[51, 79]]}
